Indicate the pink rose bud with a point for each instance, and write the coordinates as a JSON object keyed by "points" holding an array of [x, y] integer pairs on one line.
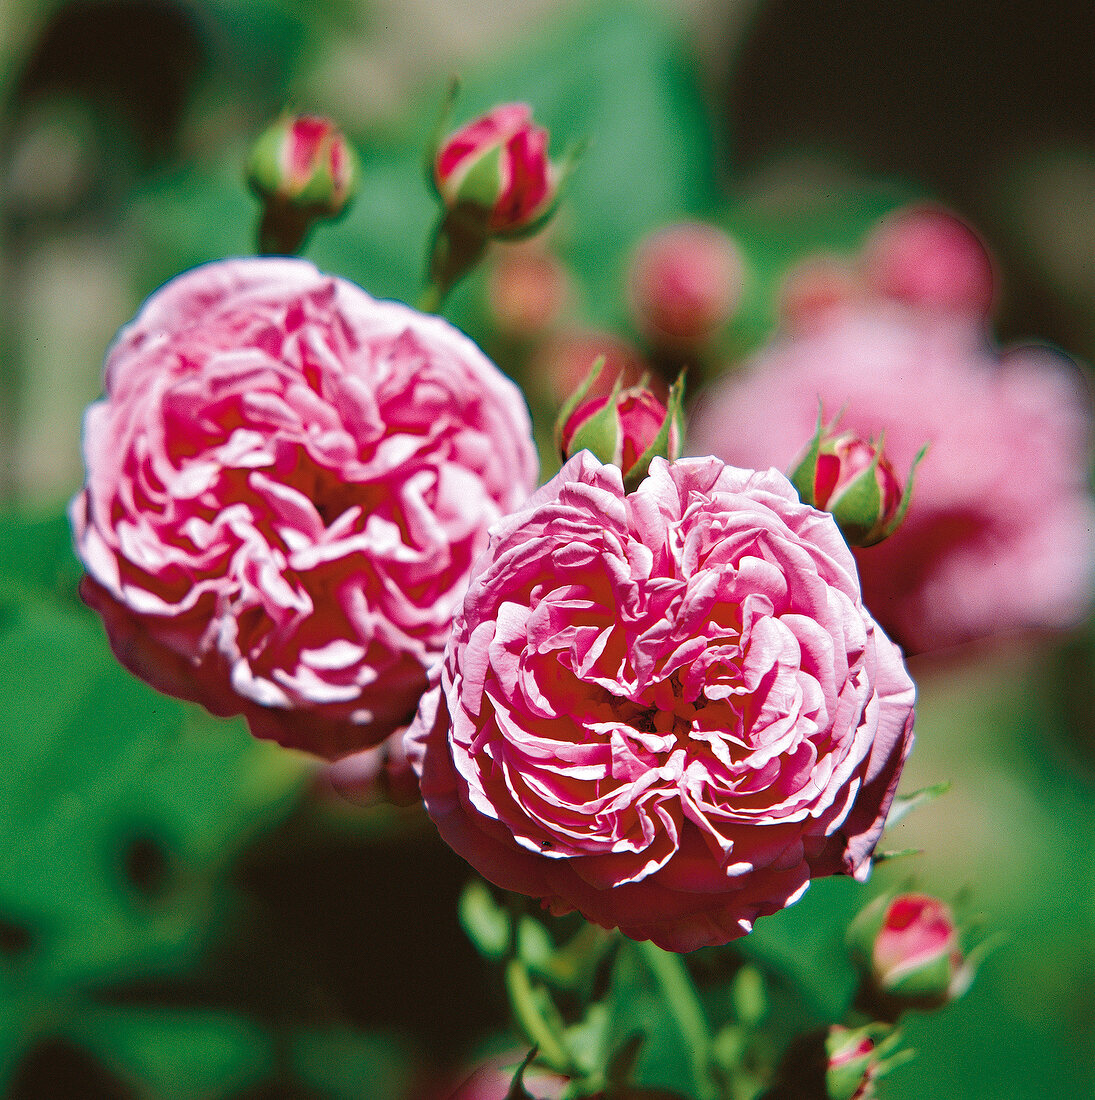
{"points": [[851, 478], [684, 284], [909, 952], [627, 427], [303, 169], [855, 1060], [928, 257], [494, 173]]}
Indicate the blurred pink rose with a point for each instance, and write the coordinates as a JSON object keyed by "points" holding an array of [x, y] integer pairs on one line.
{"points": [[669, 709], [928, 257], [684, 283], [1001, 531], [287, 484]]}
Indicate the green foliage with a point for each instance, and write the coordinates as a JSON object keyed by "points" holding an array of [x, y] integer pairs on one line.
{"points": [[121, 812]]}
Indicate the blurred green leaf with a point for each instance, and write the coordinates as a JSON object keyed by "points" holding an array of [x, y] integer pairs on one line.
{"points": [[176, 1054], [487, 924], [120, 809], [639, 1004], [341, 1064]]}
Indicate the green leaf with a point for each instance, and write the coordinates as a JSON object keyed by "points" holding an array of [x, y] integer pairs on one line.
{"points": [[176, 1053], [676, 1044], [342, 1064], [903, 805], [487, 924], [121, 809]]}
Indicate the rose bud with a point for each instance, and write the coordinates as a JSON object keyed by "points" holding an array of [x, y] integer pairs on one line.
{"points": [[494, 174], [926, 256], [684, 284], [627, 427], [908, 951], [303, 169], [855, 1060], [852, 478]]}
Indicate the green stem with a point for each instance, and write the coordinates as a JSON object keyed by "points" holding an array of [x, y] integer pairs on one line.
{"points": [[680, 996], [429, 301], [529, 1015]]}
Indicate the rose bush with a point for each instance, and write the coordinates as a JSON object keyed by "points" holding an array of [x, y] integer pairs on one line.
{"points": [[669, 709], [999, 536], [287, 484]]}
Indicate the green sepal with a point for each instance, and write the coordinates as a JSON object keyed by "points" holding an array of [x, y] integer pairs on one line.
{"points": [[858, 507], [478, 190], [674, 418], [906, 497], [576, 398], [600, 433], [804, 476]]}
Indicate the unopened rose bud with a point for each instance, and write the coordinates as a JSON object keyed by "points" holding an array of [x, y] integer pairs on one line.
{"points": [[839, 1063], [303, 169], [928, 257], [627, 428], [852, 478], [684, 284], [494, 174], [908, 951], [854, 1060]]}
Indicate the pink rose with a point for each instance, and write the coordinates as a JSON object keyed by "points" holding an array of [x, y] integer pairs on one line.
{"points": [[669, 709], [1001, 530], [287, 484]]}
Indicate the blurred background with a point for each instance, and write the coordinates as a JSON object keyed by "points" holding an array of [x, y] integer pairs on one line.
{"points": [[185, 912]]}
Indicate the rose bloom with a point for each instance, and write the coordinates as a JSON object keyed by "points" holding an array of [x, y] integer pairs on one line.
{"points": [[999, 535], [669, 709], [287, 483]]}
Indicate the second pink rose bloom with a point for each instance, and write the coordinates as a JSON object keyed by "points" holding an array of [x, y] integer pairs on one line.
{"points": [[288, 482], [666, 709]]}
